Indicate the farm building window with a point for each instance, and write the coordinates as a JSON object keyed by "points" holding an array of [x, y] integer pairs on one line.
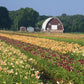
{"points": [[54, 27], [48, 29]]}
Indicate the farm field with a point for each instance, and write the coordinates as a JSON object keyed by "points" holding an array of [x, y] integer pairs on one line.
{"points": [[14, 68], [59, 57], [66, 37]]}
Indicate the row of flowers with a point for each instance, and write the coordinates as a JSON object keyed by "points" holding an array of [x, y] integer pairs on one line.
{"points": [[14, 68], [50, 58], [58, 35], [62, 47]]}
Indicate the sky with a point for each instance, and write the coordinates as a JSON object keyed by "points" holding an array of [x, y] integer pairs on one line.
{"points": [[47, 7]]}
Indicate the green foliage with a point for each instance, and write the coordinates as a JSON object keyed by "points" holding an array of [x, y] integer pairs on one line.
{"points": [[23, 17], [73, 23], [39, 24], [5, 21]]}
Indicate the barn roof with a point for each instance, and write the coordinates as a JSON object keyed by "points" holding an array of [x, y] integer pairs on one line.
{"points": [[45, 23]]}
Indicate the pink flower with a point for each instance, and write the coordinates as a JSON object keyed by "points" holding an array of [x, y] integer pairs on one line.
{"points": [[22, 66], [13, 59], [37, 77], [0, 68], [32, 75], [25, 77], [37, 72]]}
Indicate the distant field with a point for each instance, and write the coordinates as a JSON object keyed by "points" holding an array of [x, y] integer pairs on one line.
{"points": [[59, 57]]}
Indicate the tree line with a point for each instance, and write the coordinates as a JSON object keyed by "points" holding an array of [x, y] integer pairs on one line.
{"points": [[13, 20]]}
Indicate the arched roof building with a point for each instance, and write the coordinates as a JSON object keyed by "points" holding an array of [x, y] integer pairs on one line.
{"points": [[52, 24]]}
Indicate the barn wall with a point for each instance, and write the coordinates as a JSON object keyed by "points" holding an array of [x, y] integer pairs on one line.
{"points": [[57, 31]]}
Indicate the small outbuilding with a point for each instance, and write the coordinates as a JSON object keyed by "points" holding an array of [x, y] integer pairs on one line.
{"points": [[30, 29], [37, 29], [53, 24], [23, 29]]}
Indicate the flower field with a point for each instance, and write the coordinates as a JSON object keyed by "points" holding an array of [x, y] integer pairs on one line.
{"points": [[14, 68], [60, 62], [62, 47]]}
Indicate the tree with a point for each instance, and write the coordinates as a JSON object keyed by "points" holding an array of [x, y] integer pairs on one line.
{"points": [[24, 17], [39, 24], [5, 21], [81, 27], [29, 17], [73, 23]]}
